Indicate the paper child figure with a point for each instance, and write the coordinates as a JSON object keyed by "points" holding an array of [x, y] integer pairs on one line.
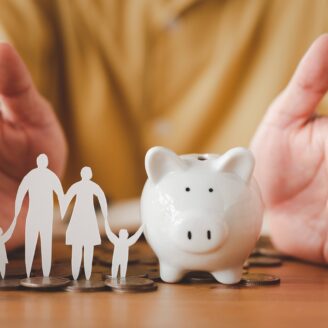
{"points": [[40, 184], [121, 248], [83, 231], [3, 254]]}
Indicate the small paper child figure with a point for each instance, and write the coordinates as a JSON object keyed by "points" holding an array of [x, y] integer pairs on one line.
{"points": [[83, 231], [121, 248], [40, 184], [3, 254]]}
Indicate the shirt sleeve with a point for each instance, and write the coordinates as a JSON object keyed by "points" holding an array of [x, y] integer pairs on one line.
{"points": [[29, 27]]}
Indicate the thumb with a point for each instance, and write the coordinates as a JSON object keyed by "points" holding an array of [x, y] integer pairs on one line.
{"points": [[299, 100], [23, 103]]}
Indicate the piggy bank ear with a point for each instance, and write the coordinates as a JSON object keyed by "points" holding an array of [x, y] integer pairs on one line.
{"points": [[160, 161], [239, 161]]}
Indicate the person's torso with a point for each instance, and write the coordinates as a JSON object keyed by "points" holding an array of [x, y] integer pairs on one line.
{"points": [[194, 76]]}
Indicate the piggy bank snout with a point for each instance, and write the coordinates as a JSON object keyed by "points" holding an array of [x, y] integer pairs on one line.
{"points": [[198, 234]]}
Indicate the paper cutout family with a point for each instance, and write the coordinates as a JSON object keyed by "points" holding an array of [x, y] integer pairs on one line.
{"points": [[82, 233]]}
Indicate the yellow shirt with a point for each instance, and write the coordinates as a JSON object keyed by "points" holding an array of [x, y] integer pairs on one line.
{"points": [[125, 75]]}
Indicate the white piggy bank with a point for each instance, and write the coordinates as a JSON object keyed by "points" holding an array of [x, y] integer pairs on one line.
{"points": [[201, 212]]}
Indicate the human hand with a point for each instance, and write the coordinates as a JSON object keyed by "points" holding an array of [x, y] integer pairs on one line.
{"points": [[28, 127], [291, 151]]}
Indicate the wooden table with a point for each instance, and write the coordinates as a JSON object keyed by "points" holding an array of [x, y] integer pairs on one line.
{"points": [[301, 300]]}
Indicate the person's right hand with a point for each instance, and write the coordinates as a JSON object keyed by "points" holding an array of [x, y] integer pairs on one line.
{"points": [[291, 151], [28, 127]]}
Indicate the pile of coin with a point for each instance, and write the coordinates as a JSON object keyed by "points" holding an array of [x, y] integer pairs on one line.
{"points": [[141, 276]]}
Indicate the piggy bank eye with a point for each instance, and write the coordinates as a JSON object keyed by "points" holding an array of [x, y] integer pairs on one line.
{"points": [[210, 190], [187, 189]]}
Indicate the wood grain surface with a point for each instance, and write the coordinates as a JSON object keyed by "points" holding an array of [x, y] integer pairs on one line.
{"points": [[301, 300]]}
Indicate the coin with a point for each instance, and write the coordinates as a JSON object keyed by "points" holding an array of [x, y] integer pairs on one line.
{"points": [[152, 261], [104, 259], [271, 252], [100, 268], [143, 290], [200, 277], [44, 282], [246, 264], [140, 270], [141, 275], [103, 252], [258, 279], [85, 286], [61, 270], [154, 275], [262, 261], [107, 246], [97, 276], [134, 257], [15, 274], [255, 252], [9, 284], [130, 284]]}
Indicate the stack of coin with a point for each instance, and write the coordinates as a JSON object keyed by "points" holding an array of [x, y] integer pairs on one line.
{"points": [[259, 279], [262, 261], [130, 285]]}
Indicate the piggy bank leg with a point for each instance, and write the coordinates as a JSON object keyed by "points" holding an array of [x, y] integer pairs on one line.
{"points": [[170, 274], [230, 276]]}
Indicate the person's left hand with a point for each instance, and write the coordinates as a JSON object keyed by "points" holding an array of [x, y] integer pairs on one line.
{"points": [[28, 127], [291, 151]]}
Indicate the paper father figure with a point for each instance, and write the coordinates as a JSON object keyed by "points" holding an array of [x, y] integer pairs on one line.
{"points": [[40, 184]]}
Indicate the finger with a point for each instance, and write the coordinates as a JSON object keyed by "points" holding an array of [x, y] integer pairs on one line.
{"points": [[299, 100], [23, 103]]}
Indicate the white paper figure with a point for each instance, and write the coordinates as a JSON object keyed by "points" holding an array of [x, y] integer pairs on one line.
{"points": [[121, 248], [40, 184], [83, 231], [3, 253]]}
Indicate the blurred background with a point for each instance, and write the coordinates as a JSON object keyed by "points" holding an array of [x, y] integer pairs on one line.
{"points": [[123, 75]]}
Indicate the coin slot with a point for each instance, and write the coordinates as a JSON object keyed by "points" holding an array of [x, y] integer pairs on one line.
{"points": [[189, 235], [208, 234], [201, 158]]}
